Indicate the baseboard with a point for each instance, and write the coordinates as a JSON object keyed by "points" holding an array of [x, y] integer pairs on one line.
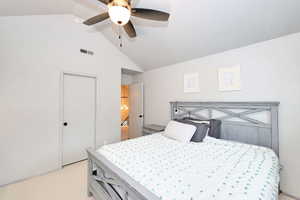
{"points": [[30, 177], [288, 195]]}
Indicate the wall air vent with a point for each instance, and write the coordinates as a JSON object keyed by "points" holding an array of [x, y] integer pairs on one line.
{"points": [[85, 51]]}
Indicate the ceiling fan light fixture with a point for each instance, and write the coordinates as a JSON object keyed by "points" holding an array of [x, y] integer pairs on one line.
{"points": [[120, 11], [120, 15]]}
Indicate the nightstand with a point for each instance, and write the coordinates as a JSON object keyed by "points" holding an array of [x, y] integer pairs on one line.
{"points": [[152, 128]]}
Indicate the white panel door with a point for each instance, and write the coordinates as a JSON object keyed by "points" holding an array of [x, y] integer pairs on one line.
{"points": [[136, 110], [79, 105]]}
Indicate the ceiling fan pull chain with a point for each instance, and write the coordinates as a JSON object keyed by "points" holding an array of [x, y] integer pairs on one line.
{"points": [[121, 42], [120, 37]]}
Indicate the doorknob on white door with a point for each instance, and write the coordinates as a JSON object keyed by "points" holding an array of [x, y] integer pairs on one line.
{"points": [[65, 123], [140, 116]]}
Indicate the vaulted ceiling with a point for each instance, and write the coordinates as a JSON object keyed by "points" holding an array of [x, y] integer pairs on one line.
{"points": [[196, 27], [34, 7]]}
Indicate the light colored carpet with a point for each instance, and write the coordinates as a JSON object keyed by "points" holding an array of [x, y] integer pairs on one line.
{"points": [[66, 184]]}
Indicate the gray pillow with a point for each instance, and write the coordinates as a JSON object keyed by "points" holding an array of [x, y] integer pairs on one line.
{"points": [[215, 126], [201, 130]]}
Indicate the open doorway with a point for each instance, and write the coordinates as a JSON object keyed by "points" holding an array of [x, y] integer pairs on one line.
{"points": [[131, 108]]}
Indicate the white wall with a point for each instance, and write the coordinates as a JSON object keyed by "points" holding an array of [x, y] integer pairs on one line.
{"points": [[126, 79], [270, 71], [34, 50]]}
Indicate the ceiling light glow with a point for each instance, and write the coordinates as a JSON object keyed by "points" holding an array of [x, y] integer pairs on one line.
{"points": [[119, 15]]}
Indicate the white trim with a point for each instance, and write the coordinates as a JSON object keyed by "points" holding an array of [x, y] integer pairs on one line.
{"points": [[291, 196], [61, 108]]}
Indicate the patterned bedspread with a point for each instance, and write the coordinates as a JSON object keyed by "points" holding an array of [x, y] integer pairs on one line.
{"points": [[213, 169]]}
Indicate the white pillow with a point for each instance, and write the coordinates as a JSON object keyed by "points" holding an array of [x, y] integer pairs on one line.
{"points": [[180, 131]]}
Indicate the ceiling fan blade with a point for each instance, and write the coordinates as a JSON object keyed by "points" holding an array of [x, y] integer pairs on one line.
{"points": [[96, 19], [150, 14], [104, 1], [129, 28]]}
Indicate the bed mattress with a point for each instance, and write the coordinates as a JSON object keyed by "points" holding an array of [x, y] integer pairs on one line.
{"points": [[213, 169]]}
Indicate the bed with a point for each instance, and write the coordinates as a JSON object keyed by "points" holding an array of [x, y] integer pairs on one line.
{"points": [[243, 164]]}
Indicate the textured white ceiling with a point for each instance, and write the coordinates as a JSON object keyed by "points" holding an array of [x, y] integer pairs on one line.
{"points": [[34, 7], [196, 27], [202, 27]]}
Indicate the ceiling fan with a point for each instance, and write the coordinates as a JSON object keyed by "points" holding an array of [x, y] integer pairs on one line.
{"points": [[120, 11]]}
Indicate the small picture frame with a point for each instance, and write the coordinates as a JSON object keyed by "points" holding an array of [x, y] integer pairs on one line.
{"points": [[191, 83], [230, 78]]}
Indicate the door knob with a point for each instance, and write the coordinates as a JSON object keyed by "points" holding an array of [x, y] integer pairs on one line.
{"points": [[140, 116], [65, 123]]}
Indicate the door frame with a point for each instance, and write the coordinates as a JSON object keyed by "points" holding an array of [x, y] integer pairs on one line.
{"points": [[61, 108]]}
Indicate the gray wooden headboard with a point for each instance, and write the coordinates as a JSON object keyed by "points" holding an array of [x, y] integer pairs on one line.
{"points": [[248, 122]]}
